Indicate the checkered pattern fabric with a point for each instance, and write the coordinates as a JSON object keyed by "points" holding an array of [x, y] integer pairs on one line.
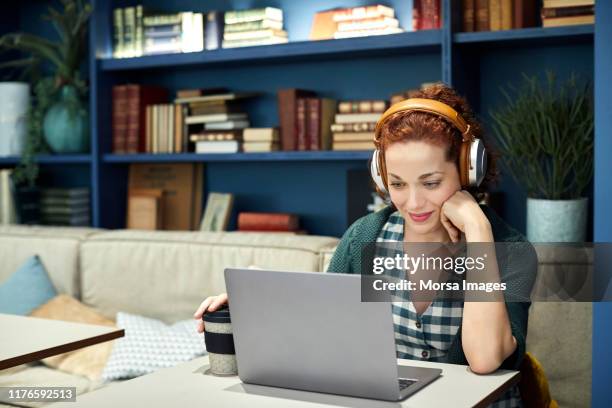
{"points": [[427, 336]]}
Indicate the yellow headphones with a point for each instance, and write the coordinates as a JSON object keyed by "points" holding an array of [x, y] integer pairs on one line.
{"points": [[472, 154]]}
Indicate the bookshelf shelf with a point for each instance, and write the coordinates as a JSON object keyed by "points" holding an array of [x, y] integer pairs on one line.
{"points": [[51, 159], [419, 41], [530, 36], [240, 157]]}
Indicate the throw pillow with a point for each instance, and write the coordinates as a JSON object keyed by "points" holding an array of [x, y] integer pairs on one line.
{"points": [[149, 345], [89, 361], [26, 289]]}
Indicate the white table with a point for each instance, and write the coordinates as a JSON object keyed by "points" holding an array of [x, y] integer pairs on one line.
{"points": [[26, 339], [186, 385]]}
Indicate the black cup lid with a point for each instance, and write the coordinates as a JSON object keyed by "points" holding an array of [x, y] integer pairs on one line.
{"points": [[221, 315]]}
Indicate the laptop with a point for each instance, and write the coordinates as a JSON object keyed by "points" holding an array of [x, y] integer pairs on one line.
{"points": [[310, 331]]}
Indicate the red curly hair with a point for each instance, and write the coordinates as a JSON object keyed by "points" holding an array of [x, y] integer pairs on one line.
{"points": [[428, 127]]}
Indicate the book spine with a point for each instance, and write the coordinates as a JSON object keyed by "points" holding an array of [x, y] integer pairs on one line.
{"points": [[370, 106], [162, 19], [567, 11], [244, 16], [313, 110], [138, 32], [302, 143], [129, 19], [525, 14], [120, 118], [482, 15], [507, 14], [495, 15], [254, 25], [287, 118], [353, 127], [214, 30], [118, 28], [468, 15], [267, 222]]}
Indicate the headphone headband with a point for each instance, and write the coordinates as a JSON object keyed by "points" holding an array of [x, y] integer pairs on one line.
{"points": [[428, 106]]}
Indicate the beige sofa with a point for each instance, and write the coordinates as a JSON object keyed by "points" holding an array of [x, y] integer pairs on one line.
{"points": [[165, 275]]}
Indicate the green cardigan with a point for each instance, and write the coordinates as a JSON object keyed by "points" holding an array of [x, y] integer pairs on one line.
{"points": [[518, 271]]}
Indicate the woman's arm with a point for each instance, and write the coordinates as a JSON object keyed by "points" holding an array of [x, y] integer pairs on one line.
{"points": [[486, 335]]}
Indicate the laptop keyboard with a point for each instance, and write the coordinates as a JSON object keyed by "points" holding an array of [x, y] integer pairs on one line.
{"points": [[405, 382]]}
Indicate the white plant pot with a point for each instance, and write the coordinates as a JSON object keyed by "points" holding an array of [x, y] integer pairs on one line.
{"points": [[14, 103], [556, 220]]}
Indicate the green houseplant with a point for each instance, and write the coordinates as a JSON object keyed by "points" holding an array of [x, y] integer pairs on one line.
{"points": [[545, 135], [57, 111]]}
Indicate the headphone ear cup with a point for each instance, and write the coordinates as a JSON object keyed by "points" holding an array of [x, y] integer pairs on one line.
{"points": [[477, 163], [376, 177]]}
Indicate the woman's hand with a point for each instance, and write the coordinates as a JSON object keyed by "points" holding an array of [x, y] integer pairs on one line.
{"points": [[210, 304], [462, 214]]}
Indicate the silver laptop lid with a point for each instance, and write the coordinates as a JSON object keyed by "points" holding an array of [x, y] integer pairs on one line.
{"points": [[308, 331]]}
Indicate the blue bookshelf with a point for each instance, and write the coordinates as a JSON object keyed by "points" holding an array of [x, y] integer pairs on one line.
{"points": [[536, 35], [298, 156], [52, 159]]}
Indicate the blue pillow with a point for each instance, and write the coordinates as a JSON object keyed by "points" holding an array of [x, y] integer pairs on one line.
{"points": [[26, 289]]}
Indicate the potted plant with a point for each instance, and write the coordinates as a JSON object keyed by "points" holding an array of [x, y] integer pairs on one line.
{"points": [[545, 137], [59, 96]]}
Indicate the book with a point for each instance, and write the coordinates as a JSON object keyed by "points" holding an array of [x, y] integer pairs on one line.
{"points": [[254, 42], [567, 11], [257, 147], [169, 30], [178, 181], [213, 36], [145, 209], [366, 33], [507, 14], [367, 106], [353, 137], [220, 117], [8, 208], [357, 117], [468, 15], [287, 112], [565, 21], [227, 125], [189, 93], [217, 146], [368, 24], [363, 13], [353, 127], [353, 145], [323, 25], [567, 3], [525, 14], [302, 143], [254, 25], [138, 97], [218, 136], [495, 15], [217, 97], [66, 220], [118, 44], [252, 221], [253, 35], [243, 16], [320, 116], [481, 13], [430, 14], [217, 213], [260, 135], [129, 29], [119, 118], [66, 193]]}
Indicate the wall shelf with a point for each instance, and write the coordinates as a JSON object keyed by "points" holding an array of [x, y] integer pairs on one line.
{"points": [[420, 41], [51, 159], [530, 36], [240, 157]]}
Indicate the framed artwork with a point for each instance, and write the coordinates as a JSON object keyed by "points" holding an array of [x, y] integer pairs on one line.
{"points": [[217, 212]]}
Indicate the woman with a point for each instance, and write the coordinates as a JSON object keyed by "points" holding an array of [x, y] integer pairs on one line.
{"points": [[427, 154]]}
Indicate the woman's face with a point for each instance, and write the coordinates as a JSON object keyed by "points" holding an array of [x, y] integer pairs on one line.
{"points": [[420, 181]]}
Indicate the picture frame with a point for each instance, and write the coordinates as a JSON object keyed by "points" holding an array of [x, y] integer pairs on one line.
{"points": [[217, 212]]}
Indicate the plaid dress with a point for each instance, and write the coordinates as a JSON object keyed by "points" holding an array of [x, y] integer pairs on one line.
{"points": [[428, 336]]}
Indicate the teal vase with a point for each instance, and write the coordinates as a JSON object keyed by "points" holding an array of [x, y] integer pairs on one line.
{"points": [[66, 123]]}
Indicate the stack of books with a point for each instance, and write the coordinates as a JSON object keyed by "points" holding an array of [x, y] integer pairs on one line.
{"points": [[137, 32], [262, 26], [65, 206], [164, 129], [495, 15], [557, 13], [366, 21], [355, 124], [173, 32], [215, 122], [260, 140]]}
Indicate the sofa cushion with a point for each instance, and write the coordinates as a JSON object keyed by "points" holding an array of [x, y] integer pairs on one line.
{"points": [[26, 289], [57, 247], [166, 275], [149, 345], [89, 361]]}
